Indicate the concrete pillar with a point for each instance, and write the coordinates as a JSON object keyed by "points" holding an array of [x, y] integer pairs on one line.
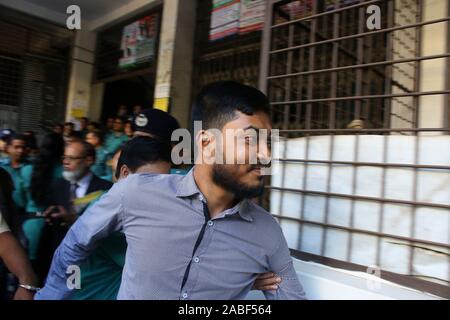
{"points": [[80, 79], [175, 59], [96, 101]]}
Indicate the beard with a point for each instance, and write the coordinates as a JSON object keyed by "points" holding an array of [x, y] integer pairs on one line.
{"points": [[225, 179], [74, 176]]}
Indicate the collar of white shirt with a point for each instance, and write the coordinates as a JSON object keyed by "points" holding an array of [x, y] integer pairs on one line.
{"points": [[83, 185]]}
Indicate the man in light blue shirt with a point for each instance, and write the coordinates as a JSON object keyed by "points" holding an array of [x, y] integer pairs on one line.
{"points": [[197, 236]]}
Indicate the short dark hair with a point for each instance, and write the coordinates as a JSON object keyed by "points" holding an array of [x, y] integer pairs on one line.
{"points": [[69, 124], [217, 103], [99, 134], [96, 125], [31, 140], [16, 136], [141, 151], [75, 135]]}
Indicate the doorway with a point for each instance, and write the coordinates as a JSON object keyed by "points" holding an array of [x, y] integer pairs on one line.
{"points": [[129, 92]]}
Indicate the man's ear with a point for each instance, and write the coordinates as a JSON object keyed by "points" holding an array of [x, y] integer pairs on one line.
{"points": [[206, 143], [124, 171], [202, 138]]}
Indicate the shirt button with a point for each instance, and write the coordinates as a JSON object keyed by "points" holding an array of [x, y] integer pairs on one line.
{"points": [[185, 295], [196, 259], [210, 223]]}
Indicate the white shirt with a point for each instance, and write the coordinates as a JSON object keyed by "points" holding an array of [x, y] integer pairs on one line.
{"points": [[83, 185], [3, 226]]}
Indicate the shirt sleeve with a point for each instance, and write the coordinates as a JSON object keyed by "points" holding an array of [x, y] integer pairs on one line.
{"points": [[3, 226], [99, 220], [280, 262]]}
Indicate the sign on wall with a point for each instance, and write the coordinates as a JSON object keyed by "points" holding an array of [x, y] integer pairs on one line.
{"points": [[224, 19], [139, 41], [251, 15]]}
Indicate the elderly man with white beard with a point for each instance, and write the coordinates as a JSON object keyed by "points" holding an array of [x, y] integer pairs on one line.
{"points": [[70, 195]]}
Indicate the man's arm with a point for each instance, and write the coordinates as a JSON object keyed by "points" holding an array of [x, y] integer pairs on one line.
{"points": [[16, 260], [99, 220], [280, 262]]}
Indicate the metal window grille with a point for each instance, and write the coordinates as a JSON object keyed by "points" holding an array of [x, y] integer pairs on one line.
{"points": [[235, 57], [33, 71], [336, 85]]}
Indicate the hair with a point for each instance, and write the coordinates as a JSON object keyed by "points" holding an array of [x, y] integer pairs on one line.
{"points": [[141, 151], [96, 125], [99, 134], [75, 135], [49, 156], [16, 136], [69, 124], [123, 119], [88, 149], [30, 141], [218, 102], [84, 118]]}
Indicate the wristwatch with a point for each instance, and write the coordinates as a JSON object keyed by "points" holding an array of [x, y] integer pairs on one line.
{"points": [[29, 288]]}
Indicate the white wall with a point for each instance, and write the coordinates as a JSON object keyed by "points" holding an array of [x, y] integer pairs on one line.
{"points": [[321, 282]]}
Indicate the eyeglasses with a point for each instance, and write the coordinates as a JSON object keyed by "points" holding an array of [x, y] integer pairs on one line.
{"points": [[70, 158]]}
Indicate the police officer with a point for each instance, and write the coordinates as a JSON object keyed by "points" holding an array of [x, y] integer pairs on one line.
{"points": [[5, 134], [16, 167], [157, 124], [116, 137], [99, 168]]}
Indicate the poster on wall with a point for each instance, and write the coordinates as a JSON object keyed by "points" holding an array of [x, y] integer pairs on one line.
{"points": [[139, 41], [251, 15], [297, 9], [224, 19]]}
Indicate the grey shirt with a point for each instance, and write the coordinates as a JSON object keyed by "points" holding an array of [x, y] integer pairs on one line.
{"points": [[174, 252]]}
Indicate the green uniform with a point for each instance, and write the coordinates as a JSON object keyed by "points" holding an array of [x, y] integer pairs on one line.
{"points": [[114, 141], [33, 228], [99, 168], [19, 176], [101, 274], [4, 159]]}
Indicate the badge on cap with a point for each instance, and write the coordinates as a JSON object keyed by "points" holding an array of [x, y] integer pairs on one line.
{"points": [[141, 120]]}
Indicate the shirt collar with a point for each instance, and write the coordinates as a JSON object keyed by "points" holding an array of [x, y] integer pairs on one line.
{"points": [[188, 188], [85, 181]]}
